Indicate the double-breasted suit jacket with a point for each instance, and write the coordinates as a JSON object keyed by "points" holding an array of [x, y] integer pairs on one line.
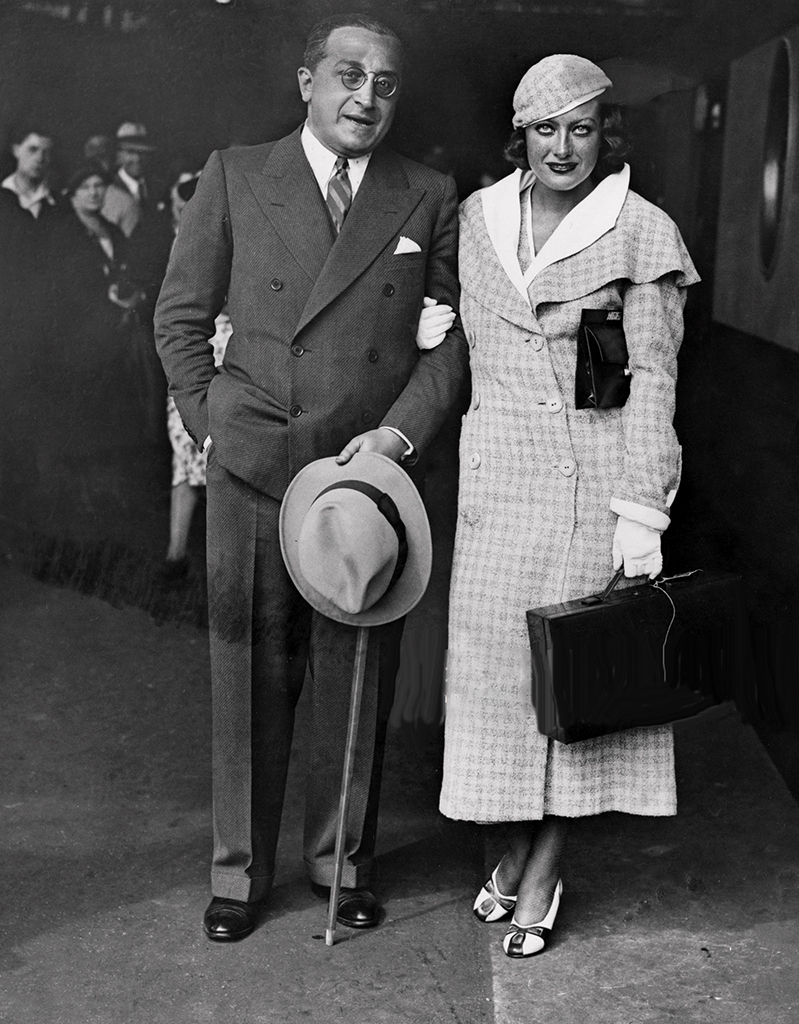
{"points": [[323, 348], [323, 339]]}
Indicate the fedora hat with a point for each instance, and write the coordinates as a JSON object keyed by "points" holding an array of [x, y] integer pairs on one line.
{"points": [[356, 540], [133, 136]]}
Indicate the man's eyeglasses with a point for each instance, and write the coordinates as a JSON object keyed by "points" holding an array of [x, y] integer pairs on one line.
{"points": [[385, 84]]}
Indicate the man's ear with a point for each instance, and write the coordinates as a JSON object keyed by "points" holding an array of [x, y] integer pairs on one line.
{"points": [[305, 78]]}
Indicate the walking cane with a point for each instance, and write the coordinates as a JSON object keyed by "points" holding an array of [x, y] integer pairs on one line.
{"points": [[361, 645], [337, 557]]}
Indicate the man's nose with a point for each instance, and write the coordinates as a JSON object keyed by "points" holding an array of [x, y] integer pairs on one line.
{"points": [[365, 95]]}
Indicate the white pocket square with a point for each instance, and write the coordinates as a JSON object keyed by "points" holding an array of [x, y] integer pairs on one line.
{"points": [[407, 245]]}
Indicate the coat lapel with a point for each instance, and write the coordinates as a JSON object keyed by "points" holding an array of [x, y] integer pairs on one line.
{"points": [[501, 211], [289, 196], [382, 205]]}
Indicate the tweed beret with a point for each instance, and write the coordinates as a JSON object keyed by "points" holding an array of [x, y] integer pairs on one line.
{"points": [[554, 85]]}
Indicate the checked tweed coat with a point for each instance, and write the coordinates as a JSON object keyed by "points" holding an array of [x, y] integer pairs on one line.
{"points": [[535, 523]]}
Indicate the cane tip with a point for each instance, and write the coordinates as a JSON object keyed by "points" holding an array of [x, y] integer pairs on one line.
{"points": [[329, 937]]}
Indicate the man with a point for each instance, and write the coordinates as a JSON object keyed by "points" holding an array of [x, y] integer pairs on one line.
{"points": [[28, 211], [32, 150], [127, 194], [324, 244]]}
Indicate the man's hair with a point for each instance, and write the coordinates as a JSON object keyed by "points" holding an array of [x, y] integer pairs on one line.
{"points": [[22, 129], [316, 44], [613, 148]]}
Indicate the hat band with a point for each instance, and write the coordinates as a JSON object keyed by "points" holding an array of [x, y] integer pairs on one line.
{"points": [[387, 507]]}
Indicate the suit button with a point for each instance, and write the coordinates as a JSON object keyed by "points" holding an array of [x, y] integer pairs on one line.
{"points": [[275, 284], [474, 461], [372, 355], [295, 411], [388, 290], [297, 350], [476, 400], [367, 417], [567, 467], [538, 343], [554, 405]]}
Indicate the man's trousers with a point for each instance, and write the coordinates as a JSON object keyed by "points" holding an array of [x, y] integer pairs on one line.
{"points": [[263, 635]]}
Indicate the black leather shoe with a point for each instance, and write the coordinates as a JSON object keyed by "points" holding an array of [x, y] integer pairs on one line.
{"points": [[229, 920], [357, 908]]}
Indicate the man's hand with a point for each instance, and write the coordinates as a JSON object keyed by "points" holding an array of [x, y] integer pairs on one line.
{"points": [[383, 441]]}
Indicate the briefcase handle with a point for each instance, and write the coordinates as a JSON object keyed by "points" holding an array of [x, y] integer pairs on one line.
{"points": [[599, 598]]}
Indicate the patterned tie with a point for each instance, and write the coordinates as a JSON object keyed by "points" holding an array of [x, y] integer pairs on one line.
{"points": [[339, 193]]}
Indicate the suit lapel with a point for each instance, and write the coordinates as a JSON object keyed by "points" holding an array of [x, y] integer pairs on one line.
{"points": [[289, 196], [382, 205]]}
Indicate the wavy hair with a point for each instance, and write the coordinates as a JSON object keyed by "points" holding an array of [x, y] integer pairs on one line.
{"points": [[614, 145]]}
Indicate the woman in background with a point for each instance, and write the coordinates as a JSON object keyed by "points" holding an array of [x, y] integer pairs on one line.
{"points": [[552, 497]]}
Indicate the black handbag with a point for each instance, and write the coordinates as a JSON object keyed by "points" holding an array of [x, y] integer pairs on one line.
{"points": [[641, 656], [602, 378]]}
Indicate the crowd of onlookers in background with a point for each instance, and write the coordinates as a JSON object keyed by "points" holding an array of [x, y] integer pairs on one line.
{"points": [[81, 263]]}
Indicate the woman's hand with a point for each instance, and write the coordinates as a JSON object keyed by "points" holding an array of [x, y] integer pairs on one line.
{"points": [[434, 322], [637, 547]]}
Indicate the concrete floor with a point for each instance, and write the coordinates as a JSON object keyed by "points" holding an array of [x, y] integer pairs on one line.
{"points": [[106, 837]]}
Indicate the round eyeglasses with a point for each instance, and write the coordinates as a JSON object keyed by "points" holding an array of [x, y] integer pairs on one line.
{"points": [[385, 84]]}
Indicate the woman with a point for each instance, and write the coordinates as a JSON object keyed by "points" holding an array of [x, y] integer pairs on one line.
{"points": [[188, 461], [93, 296], [552, 498]]}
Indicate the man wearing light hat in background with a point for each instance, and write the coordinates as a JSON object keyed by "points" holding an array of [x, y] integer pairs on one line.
{"points": [[127, 193]]}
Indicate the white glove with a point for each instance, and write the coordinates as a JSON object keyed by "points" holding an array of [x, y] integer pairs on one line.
{"points": [[434, 322], [638, 548]]}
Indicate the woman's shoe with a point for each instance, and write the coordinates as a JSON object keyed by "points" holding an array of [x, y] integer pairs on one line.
{"points": [[524, 940], [490, 904]]}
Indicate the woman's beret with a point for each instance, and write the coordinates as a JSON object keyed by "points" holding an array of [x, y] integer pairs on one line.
{"points": [[555, 85]]}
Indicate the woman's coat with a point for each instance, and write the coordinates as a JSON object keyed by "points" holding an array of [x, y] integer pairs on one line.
{"points": [[542, 484]]}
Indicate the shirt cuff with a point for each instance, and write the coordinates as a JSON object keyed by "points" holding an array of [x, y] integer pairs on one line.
{"points": [[410, 449], [640, 514]]}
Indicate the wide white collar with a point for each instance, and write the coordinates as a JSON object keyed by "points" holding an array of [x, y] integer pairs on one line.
{"points": [[581, 227]]}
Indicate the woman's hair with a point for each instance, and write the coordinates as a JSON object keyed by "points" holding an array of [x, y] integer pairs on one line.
{"points": [[83, 173], [613, 147]]}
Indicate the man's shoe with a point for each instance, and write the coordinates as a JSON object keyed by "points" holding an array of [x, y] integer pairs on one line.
{"points": [[229, 920], [357, 908]]}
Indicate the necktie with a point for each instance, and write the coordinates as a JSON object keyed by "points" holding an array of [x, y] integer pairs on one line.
{"points": [[339, 193]]}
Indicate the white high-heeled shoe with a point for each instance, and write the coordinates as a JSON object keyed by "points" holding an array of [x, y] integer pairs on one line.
{"points": [[523, 940], [492, 905]]}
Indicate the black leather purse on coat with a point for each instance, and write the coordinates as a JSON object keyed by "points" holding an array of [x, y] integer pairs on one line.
{"points": [[602, 379], [642, 656]]}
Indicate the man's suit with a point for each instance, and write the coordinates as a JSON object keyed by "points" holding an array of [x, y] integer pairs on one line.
{"points": [[323, 348]]}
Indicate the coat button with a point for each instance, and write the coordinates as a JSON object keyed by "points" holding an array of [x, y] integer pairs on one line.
{"points": [[554, 405], [567, 467], [538, 343], [476, 400], [295, 411], [474, 460], [372, 355], [297, 350], [275, 284], [367, 416], [388, 290]]}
